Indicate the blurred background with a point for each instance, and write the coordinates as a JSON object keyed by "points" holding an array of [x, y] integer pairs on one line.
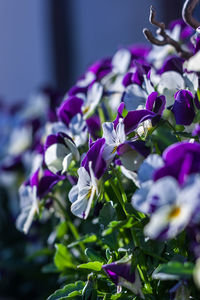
{"points": [[52, 42]]}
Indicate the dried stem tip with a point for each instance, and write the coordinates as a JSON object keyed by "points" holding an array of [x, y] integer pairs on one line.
{"points": [[187, 13], [167, 40]]}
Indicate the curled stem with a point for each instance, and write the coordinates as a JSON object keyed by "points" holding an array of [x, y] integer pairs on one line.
{"points": [[167, 40], [187, 13]]}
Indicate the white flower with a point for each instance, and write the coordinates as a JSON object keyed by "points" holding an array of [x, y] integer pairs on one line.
{"points": [[82, 195], [172, 217], [114, 138], [58, 156], [20, 140], [29, 207], [92, 99], [193, 64]]}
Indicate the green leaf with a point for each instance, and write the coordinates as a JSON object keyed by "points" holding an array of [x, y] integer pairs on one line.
{"points": [[164, 137], [107, 214], [85, 239], [174, 270], [113, 225], [61, 230], [94, 256], [62, 258], [95, 266], [70, 290]]}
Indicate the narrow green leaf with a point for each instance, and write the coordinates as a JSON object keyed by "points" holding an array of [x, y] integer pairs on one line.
{"points": [[85, 239], [61, 230], [95, 266], [174, 270]]}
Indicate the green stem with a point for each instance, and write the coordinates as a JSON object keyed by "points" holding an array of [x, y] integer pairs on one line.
{"points": [[120, 185], [118, 195], [173, 128], [71, 226]]}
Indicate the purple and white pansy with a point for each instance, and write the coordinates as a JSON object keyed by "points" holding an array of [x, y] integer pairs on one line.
{"points": [[38, 186], [122, 274], [92, 169], [166, 188]]}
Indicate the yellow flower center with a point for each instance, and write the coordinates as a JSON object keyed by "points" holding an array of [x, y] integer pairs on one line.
{"points": [[174, 213], [114, 149], [85, 110]]}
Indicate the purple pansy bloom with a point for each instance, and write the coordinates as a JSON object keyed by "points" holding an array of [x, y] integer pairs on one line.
{"points": [[95, 155], [186, 31], [101, 68], [156, 103], [183, 108], [44, 180], [134, 118], [39, 185], [180, 160], [172, 63], [94, 125], [69, 108], [180, 208], [121, 273], [92, 169], [132, 154]]}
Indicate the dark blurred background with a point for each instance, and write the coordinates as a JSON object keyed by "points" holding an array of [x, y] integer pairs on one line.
{"points": [[52, 42]]}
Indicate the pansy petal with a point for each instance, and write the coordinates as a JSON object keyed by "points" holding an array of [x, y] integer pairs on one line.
{"points": [[150, 164], [134, 118], [134, 96], [183, 107], [121, 61], [73, 194]]}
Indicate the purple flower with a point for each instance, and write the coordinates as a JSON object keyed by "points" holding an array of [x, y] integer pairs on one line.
{"points": [[95, 155], [44, 180], [179, 208], [134, 118], [186, 31], [39, 185], [139, 52], [180, 160], [183, 107], [94, 126], [132, 154], [69, 108], [156, 103], [137, 75], [172, 63], [101, 68], [121, 273]]}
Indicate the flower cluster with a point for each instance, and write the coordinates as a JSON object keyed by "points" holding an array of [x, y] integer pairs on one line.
{"points": [[121, 151]]}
